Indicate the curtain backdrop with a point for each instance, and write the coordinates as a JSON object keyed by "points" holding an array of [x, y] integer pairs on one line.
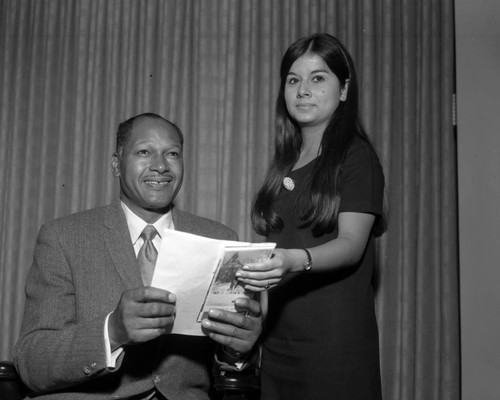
{"points": [[70, 71]]}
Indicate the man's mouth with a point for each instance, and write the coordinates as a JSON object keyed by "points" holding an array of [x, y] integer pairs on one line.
{"points": [[156, 183], [159, 182]]}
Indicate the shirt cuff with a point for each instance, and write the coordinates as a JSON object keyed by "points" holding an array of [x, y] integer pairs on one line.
{"points": [[229, 362], [111, 357]]}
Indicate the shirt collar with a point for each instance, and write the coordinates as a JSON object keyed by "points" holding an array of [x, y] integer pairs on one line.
{"points": [[136, 224]]}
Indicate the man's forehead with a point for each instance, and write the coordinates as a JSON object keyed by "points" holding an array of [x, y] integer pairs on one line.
{"points": [[147, 125], [147, 122]]}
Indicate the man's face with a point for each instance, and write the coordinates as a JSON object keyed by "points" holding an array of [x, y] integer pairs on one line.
{"points": [[150, 168]]}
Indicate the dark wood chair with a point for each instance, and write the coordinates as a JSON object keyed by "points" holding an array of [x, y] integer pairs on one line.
{"points": [[238, 386], [11, 387], [232, 386]]}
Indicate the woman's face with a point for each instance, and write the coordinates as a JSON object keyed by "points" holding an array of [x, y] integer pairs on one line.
{"points": [[312, 91]]}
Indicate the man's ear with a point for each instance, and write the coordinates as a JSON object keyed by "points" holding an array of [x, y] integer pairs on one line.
{"points": [[115, 165], [343, 91]]}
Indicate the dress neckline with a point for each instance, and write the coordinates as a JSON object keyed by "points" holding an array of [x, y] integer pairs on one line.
{"points": [[304, 166]]}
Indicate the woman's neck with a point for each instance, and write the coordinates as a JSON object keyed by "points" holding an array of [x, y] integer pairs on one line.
{"points": [[311, 142]]}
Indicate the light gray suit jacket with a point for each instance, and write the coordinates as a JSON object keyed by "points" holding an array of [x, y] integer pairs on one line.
{"points": [[82, 264]]}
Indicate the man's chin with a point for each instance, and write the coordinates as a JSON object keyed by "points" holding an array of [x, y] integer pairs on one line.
{"points": [[158, 206], [158, 201]]}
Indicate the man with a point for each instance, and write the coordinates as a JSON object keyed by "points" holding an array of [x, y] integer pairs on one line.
{"points": [[93, 328]]}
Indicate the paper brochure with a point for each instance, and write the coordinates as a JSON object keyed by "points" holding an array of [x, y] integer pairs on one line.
{"points": [[200, 272]]}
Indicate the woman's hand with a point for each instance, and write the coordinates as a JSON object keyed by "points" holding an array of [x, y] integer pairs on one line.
{"points": [[344, 251], [266, 274]]}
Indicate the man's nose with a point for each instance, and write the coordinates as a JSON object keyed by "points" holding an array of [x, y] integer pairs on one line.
{"points": [[159, 163]]}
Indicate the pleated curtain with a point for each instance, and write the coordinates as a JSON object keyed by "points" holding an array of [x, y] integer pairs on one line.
{"points": [[71, 70]]}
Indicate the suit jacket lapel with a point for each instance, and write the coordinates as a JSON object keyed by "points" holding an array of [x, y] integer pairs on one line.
{"points": [[120, 247], [183, 221], [179, 220]]}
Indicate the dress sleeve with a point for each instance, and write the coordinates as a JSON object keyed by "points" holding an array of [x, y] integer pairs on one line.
{"points": [[362, 183]]}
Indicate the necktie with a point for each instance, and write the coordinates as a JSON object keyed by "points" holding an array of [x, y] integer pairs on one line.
{"points": [[147, 255]]}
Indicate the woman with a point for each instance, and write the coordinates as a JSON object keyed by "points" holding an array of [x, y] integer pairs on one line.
{"points": [[322, 203]]}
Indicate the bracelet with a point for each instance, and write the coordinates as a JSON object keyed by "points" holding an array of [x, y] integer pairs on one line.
{"points": [[309, 263]]}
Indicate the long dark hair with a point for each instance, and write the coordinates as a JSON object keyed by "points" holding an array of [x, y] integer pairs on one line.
{"points": [[320, 203]]}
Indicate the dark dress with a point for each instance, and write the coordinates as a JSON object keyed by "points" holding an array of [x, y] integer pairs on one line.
{"points": [[321, 339]]}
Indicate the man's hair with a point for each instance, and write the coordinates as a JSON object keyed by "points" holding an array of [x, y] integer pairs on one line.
{"points": [[125, 129]]}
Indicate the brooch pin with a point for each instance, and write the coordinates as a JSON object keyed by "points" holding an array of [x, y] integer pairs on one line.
{"points": [[288, 183]]}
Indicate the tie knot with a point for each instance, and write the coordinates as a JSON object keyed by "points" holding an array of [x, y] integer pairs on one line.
{"points": [[149, 232]]}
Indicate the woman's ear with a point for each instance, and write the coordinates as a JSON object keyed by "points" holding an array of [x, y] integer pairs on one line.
{"points": [[343, 91]]}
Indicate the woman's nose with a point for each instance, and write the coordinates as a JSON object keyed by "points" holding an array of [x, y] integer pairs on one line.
{"points": [[304, 90]]}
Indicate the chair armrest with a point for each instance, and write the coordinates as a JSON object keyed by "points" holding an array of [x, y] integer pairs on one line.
{"points": [[11, 386], [235, 383], [238, 385]]}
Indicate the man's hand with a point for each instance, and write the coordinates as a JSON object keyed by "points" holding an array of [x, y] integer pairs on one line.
{"points": [[142, 315], [238, 331]]}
